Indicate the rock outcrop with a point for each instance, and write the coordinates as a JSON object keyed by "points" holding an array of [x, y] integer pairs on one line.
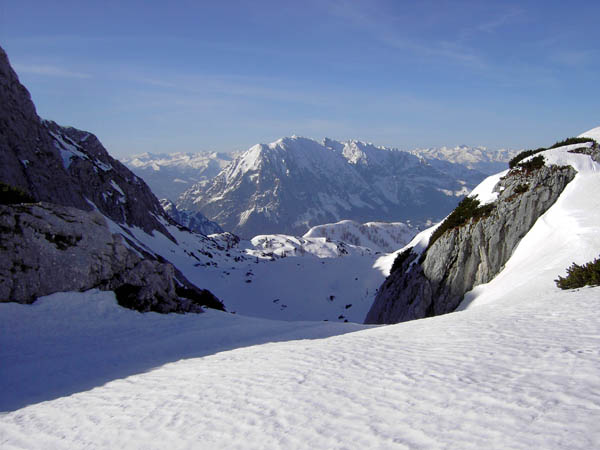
{"points": [[193, 220], [471, 254], [49, 248], [67, 166]]}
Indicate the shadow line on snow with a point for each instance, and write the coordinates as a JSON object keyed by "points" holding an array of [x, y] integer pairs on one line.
{"points": [[44, 366]]}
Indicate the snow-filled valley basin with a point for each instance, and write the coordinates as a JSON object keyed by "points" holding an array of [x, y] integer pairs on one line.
{"points": [[518, 367]]}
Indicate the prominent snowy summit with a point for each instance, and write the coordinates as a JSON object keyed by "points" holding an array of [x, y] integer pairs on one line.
{"points": [[295, 183]]}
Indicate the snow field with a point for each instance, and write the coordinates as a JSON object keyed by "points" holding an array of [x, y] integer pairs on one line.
{"points": [[505, 375]]}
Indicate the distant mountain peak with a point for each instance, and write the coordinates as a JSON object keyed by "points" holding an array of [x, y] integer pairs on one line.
{"points": [[294, 183]]}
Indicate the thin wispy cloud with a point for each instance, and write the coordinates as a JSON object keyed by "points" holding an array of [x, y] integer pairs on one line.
{"points": [[49, 70], [388, 30], [226, 85], [503, 19]]}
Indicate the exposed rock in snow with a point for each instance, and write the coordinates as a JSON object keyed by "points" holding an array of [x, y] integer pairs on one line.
{"points": [[193, 220], [49, 248], [295, 183], [471, 254]]}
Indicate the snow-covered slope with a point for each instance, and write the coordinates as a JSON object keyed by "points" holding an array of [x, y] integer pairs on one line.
{"points": [[295, 183], [518, 374], [594, 133], [474, 253], [169, 175], [378, 236]]}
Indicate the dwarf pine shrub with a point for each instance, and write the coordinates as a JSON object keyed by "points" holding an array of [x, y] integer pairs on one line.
{"points": [[534, 163], [579, 276], [573, 140], [400, 258], [569, 141], [10, 195], [521, 156], [469, 208]]}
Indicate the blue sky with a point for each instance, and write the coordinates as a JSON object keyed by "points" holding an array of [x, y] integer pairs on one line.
{"points": [[208, 75]]}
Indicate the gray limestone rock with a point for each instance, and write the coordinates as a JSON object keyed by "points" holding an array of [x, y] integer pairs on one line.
{"points": [[471, 254], [49, 248]]}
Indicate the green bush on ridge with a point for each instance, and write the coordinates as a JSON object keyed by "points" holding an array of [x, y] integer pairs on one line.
{"points": [[579, 276], [10, 195], [400, 258], [537, 162], [569, 141], [524, 154], [573, 140], [469, 208]]}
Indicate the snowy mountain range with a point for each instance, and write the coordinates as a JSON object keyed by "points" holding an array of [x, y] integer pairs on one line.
{"points": [[169, 175], [295, 183], [477, 158]]}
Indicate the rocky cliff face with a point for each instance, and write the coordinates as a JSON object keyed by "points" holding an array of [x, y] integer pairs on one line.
{"points": [[471, 254], [63, 243], [64, 165], [49, 248]]}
